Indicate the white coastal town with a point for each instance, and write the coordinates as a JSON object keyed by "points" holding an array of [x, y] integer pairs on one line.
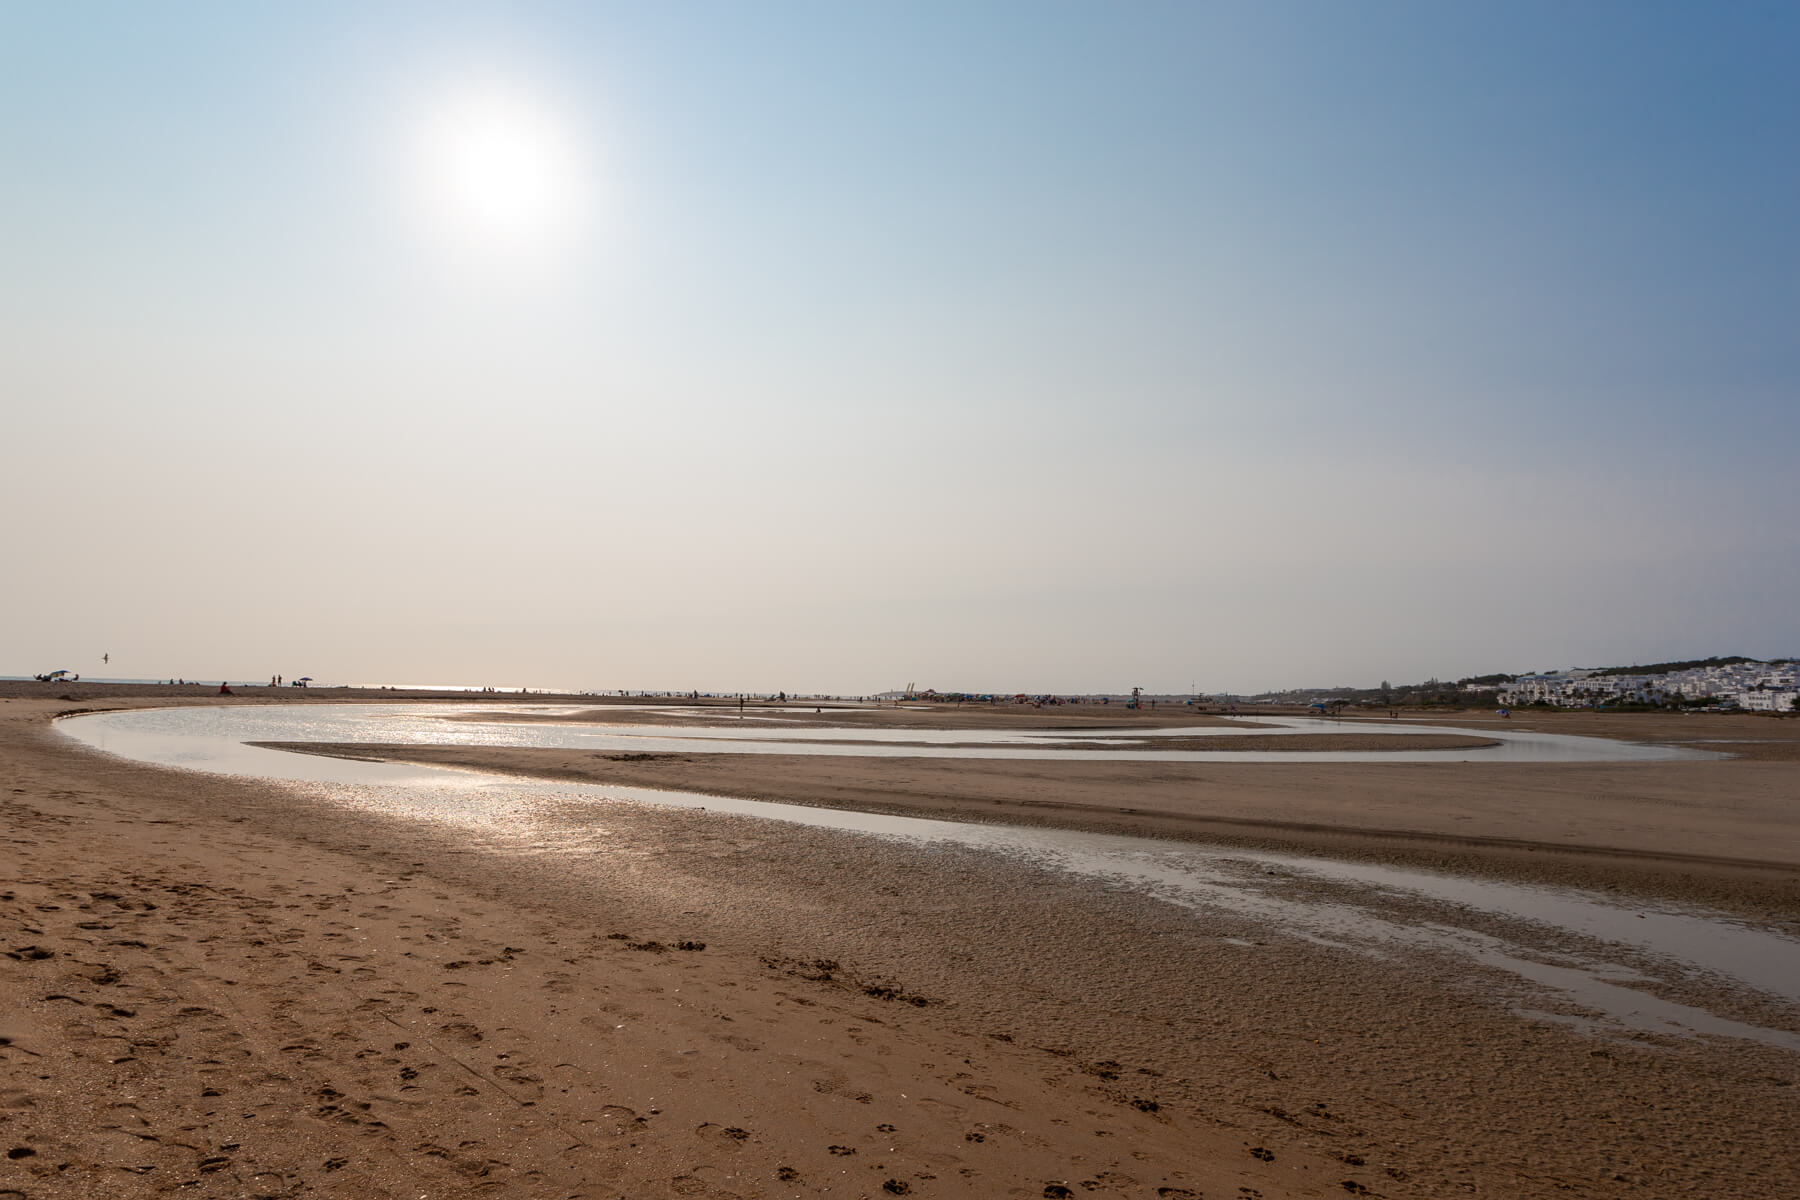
{"points": [[1743, 684]]}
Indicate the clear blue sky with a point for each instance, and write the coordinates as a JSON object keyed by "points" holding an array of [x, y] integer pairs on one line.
{"points": [[823, 346]]}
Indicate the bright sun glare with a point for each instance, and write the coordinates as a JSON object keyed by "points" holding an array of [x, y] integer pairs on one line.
{"points": [[496, 172]]}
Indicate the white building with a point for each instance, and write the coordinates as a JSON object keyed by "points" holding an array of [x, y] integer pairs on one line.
{"points": [[1752, 686]]}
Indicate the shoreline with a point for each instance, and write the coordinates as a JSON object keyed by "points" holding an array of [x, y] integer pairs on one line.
{"points": [[1630, 828], [1748, 881]]}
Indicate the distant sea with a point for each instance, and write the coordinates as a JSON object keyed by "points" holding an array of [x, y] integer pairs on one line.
{"points": [[422, 687], [651, 693], [86, 678], [453, 687]]}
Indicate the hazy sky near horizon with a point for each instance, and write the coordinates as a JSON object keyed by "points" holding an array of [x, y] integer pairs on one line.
{"points": [[1037, 346]]}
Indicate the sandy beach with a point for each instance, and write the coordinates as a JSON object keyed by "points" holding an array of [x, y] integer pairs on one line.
{"points": [[943, 601], [224, 987]]}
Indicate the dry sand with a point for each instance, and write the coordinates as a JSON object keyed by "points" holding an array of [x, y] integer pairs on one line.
{"points": [[218, 987]]}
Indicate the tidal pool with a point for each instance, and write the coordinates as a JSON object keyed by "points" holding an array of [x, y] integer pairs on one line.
{"points": [[461, 724], [1608, 959]]}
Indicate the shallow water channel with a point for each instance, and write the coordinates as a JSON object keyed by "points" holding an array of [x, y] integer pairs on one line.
{"points": [[1570, 956]]}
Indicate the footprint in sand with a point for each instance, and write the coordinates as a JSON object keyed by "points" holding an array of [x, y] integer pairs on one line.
{"points": [[1113, 1179]]}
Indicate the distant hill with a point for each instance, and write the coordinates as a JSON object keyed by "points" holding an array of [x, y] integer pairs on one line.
{"points": [[1665, 667]]}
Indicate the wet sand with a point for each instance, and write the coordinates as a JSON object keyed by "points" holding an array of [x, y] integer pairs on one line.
{"points": [[1299, 743], [224, 988], [1724, 833]]}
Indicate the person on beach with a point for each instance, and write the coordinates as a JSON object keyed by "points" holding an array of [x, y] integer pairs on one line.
{"points": [[225, 690]]}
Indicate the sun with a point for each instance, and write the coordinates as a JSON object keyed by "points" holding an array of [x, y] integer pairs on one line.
{"points": [[494, 170]]}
